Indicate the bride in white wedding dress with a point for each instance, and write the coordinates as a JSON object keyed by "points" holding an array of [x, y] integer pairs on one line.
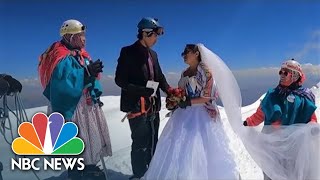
{"points": [[193, 144]]}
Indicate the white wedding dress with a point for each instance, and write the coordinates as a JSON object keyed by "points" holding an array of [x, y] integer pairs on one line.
{"points": [[193, 144]]}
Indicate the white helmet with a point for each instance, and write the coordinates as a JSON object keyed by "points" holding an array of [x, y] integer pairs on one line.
{"points": [[296, 68], [293, 66], [71, 26]]}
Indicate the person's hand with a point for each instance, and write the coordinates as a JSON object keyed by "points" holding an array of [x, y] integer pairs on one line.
{"points": [[100, 103], [245, 123], [169, 91], [95, 68], [185, 103]]}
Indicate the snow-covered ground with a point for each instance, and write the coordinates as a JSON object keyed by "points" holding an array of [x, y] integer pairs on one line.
{"points": [[118, 165]]}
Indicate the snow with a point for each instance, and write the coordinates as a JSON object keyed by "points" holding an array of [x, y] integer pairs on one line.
{"points": [[119, 166]]}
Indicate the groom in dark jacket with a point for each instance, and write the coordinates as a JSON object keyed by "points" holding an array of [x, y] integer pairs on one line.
{"points": [[137, 65]]}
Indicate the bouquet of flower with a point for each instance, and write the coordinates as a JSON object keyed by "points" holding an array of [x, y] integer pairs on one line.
{"points": [[175, 95]]}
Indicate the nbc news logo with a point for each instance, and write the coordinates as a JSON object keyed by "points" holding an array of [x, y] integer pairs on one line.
{"points": [[47, 136]]}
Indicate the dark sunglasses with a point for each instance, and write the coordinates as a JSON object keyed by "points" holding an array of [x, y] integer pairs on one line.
{"points": [[189, 48], [83, 28], [185, 52], [285, 73]]}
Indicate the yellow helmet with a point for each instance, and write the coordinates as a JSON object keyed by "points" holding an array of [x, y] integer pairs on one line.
{"points": [[72, 26]]}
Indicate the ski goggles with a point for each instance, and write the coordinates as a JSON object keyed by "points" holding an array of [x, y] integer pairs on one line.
{"points": [[159, 31]]}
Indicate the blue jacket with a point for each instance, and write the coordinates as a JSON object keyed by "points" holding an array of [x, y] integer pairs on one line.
{"points": [[66, 87], [275, 107]]}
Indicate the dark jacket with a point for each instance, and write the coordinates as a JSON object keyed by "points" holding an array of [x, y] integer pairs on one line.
{"points": [[133, 69]]}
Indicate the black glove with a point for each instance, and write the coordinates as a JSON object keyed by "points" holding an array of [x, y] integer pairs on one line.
{"points": [[94, 68], [14, 85], [100, 103], [184, 104], [245, 123], [140, 90]]}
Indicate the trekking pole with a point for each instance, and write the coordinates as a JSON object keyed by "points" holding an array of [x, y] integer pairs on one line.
{"points": [[124, 118], [1, 168], [152, 127], [104, 166], [153, 133]]}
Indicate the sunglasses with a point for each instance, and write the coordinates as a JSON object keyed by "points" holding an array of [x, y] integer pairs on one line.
{"points": [[185, 52], [285, 73]]}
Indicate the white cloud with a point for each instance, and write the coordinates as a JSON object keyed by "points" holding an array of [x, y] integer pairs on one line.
{"points": [[308, 68], [110, 76], [33, 81], [311, 46], [172, 73], [316, 34]]}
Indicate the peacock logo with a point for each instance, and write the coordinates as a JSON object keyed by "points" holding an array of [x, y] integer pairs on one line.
{"points": [[48, 136]]}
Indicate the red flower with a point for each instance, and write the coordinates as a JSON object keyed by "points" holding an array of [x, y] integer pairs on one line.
{"points": [[175, 95]]}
